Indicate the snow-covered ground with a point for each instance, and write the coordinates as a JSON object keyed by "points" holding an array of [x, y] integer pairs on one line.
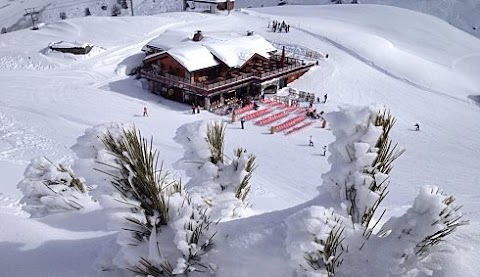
{"points": [[462, 14], [421, 68]]}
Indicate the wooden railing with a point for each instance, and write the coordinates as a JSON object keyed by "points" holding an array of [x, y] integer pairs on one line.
{"points": [[220, 86]]}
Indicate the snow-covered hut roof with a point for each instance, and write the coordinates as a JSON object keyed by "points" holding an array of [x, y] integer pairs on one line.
{"points": [[232, 49], [234, 52], [67, 44], [168, 40], [193, 57]]}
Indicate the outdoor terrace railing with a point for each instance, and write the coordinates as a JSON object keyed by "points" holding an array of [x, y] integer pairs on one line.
{"points": [[220, 85]]}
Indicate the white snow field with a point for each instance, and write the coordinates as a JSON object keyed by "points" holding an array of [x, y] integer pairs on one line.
{"points": [[462, 14], [419, 67]]}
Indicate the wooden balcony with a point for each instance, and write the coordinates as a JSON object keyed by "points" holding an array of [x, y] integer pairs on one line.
{"points": [[258, 74]]}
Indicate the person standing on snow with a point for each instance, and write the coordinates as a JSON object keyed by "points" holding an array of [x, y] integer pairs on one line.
{"points": [[310, 141], [324, 150], [242, 121], [325, 98], [417, 127], [145, 111]]}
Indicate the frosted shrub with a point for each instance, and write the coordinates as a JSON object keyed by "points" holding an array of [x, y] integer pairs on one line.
{"points": [[322, 255], [220, 182], [50, 188], [157, 216], [361, 159], [433, 216]]}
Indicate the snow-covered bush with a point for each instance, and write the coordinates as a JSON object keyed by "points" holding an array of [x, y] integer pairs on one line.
{"points": [[162, 226], [433, 216], [220, 182], [361, 160], [50, 188], [324, 253], [94, 160]]}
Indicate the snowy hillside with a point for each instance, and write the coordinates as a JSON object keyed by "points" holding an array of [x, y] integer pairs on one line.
{"points": [[12, 12], [56, 105], [462, 14]]}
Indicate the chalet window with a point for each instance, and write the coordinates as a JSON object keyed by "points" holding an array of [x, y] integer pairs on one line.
{"points": [[156, 68]]}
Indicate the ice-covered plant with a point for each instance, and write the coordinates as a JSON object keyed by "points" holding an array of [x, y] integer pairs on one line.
{"points": [[242, 190], [433, 216], [160, 216], [216, 140], [51, 188], [361, 160], [329, 247], [221, 182], [315, 238]]}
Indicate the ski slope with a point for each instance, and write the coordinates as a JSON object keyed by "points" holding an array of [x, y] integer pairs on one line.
{"points": [[421, 68]]}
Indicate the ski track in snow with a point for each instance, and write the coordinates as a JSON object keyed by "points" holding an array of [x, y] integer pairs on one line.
{"points": [[378, 68], [20, 143]]}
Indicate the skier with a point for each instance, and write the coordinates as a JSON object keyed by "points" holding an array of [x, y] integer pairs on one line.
{"points": [[145, 111], [198, 108], [417, 127], [193, 108], [310, 142], [324, 150], [242, 121], [325, 98]]}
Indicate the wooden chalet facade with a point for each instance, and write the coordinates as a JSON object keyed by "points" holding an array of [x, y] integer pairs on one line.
{"points": [[214, 82]]}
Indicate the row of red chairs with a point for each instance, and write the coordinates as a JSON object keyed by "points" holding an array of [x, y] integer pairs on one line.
{"points": [[295, 129], [258, 113], [244, 109], [304, 110], [291, 108], [289, 123], [272, 118], [274, 104]]}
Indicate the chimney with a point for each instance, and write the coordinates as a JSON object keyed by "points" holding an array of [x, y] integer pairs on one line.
{"points": [[282, 60], [198, 36]]}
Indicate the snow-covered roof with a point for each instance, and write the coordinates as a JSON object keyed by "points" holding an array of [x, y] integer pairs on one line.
{"points": [[234, 52], [232, 49], [66, 44], [193, 57], [169, 39]]}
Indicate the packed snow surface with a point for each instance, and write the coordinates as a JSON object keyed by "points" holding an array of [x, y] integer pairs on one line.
{"points": [[419, 67]]}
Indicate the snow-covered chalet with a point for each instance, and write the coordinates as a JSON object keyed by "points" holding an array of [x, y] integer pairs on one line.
{"points": [[212, 6], [210, 69]]}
